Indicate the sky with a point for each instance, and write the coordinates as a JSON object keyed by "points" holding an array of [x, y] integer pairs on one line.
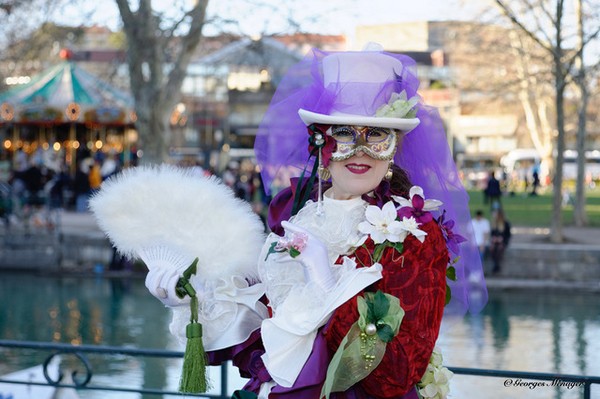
{"points": [[335, 16]]}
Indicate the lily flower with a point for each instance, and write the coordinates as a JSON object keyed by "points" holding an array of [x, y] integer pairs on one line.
{"points": [[435, 383], [417, 207], [452, 239], [381, 224], [410, 225]]}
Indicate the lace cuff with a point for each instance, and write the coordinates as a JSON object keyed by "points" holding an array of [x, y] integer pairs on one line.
{"points": [[289, 335], [229, 311]]}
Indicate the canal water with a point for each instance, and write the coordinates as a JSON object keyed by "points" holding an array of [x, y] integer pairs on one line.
{"points": [[519, 330]]}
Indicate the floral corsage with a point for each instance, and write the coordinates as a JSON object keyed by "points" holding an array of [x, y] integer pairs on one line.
{"points": [[389, 226], [362, 349], [294, 244]]}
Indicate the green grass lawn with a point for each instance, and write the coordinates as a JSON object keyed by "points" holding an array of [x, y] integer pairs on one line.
{"points": [[522, 210]]}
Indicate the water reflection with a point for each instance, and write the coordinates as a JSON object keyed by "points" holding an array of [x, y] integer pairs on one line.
{"points": [[518, 330], [540, 331]]}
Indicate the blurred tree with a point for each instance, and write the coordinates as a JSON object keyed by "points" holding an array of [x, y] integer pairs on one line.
{"points": [[162, 43], [159, 50], [549, 28], [28, 37]]}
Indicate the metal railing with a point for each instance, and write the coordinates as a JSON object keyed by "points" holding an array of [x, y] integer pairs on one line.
{"points": [[84, 381]]}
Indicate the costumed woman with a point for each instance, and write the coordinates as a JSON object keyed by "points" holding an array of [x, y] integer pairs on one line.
{"points": [[349, 288]]}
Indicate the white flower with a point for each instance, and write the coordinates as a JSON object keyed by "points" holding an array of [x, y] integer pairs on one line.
{"points": [[382, 225], [436, 357], [398, 106], [410, 225], [435, 383], [429, 204], [357, 240]]}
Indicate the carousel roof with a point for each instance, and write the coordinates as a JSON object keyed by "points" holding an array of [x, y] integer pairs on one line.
{"points": [[66, 93]]}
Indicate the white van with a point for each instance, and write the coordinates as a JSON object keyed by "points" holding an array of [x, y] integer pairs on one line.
{"points": [[520, 162]]}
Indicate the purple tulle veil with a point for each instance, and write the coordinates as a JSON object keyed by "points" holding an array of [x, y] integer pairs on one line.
{"points": [[281, 149]]}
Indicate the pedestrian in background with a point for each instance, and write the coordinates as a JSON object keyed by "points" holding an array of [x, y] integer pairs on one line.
{"points": [[499, 239], [482, 230], [535, 181], [492, 192]]}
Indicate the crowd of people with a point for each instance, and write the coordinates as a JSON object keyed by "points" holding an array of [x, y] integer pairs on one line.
{"points": [[493, 236], [38, 183]]}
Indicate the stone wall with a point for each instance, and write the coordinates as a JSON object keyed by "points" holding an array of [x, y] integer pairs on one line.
{"points": [[565, 262]]}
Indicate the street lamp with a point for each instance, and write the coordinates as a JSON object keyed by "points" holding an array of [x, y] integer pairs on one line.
{"points": [[72, 111]]}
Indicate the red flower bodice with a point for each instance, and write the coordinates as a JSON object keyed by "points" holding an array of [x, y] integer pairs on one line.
{"points": [[417, 276]]}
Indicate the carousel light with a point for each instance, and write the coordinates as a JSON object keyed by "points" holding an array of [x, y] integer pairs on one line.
{"points": [[75, 144], [132, 135], [7, 144], [7, 111], [17, 80], [98, 144], [45, 146], [56, 146], [65, 53], [73, 111]]}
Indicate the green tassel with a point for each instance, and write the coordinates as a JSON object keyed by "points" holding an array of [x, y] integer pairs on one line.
{"points": [[193, 376]]}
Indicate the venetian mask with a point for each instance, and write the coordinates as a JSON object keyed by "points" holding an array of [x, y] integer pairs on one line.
{"points": [[376, 142]]}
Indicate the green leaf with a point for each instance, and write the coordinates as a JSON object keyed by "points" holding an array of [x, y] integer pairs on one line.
{"points": [[451, 273], [294, 252], [381, 305], [399, 246], [271, 250], [378, 252], [191, 270], [448, 294], [370, 312], [385, 333]]}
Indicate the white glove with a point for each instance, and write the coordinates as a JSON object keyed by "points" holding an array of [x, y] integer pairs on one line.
{"points": [[313, 257], [161, 283], [165, 268]]}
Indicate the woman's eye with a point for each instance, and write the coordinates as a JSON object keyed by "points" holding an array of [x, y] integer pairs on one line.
{"points": [[342, 135], [376, 135]]}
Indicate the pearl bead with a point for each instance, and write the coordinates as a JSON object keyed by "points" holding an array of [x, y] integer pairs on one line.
{"points": [[371, 329]]}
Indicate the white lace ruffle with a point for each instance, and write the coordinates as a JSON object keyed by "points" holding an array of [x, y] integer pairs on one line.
{"points": [[336, 228], [300, 307], [229, 311]]}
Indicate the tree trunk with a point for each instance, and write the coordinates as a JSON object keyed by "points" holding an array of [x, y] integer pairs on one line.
{"points": [[579, 214], [156, 94], [556, 226], [556, 233]]}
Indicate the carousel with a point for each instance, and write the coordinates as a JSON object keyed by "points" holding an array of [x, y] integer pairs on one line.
{"points": [[65, 113]]}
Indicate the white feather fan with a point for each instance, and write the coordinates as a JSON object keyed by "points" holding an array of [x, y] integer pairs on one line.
{"points": [[170, 213]]}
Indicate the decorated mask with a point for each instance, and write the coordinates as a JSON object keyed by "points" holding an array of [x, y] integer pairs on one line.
{"points": [[376, 142]]}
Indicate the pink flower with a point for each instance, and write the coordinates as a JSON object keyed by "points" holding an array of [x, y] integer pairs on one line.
{"points": [[417, 207], [294, 244]]}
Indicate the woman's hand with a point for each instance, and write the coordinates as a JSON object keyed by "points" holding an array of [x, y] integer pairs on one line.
{"points": [[314, 257], [161, 282]]}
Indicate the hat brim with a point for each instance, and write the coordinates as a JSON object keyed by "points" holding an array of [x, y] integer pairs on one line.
{"points": [[405, 125]]}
